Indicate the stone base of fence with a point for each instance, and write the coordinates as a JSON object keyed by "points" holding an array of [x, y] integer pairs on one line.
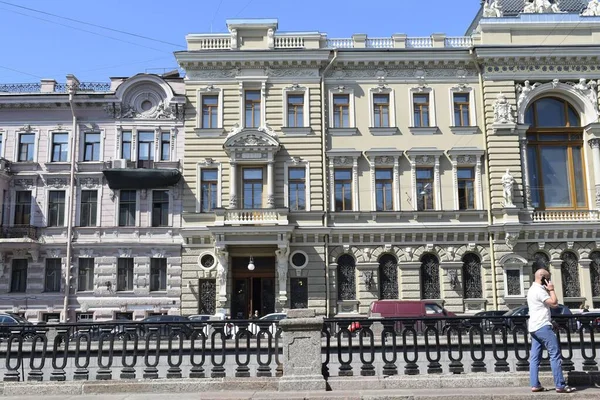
{"points": [[270, 385]]}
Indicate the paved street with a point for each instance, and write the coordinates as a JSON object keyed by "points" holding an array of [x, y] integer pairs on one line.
{"points": [[516, 393]]}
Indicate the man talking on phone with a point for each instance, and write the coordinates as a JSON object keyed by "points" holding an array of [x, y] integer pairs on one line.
{"points": [[540, 299]]}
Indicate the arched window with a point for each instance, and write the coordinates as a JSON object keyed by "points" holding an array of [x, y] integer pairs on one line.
{"points": [[471, 272], [569, 270], [555, 155], [388, 277], [543, 257], [430, 277], [346, 278], [595, 273]]}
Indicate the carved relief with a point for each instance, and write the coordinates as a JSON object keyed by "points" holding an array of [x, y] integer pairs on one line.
{"points": [[56, 182], [88, 182], [588, 89], [502, 110]]}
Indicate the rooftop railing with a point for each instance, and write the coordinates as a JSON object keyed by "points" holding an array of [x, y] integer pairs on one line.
{"points": [[56, 88]]}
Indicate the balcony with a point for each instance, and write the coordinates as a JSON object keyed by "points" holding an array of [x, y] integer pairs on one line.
{"points": [[565, 215], [259, 216], [19, 232], [145, 174]]}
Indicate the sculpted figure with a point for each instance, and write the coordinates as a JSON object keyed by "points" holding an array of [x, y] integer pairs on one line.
{"points": [[502, 110], [507, 183], [234, 39], [524, 91], [592, 9], [222, 267], [282, 255], [492, 9]]}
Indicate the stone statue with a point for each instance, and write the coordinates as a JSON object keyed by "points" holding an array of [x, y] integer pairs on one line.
{"points": [[282, 255], [492, 9], [588, 89], [271, 38], [541, 7], [592, 9], [222, 267], [524, 91], [502, 110], [234, 38], [507, 183]]}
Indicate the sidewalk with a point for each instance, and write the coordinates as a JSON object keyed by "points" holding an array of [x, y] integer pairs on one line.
{"points": [[516, 393]]}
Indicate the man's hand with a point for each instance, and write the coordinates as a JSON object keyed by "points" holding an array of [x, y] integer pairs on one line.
{"points": [[550, 286]]}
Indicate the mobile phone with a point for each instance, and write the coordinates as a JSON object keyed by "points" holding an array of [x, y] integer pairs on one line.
{"points": [[544, 281]]}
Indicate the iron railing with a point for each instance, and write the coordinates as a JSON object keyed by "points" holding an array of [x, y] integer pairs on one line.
{"points": [[242, 348], [19, 231]]}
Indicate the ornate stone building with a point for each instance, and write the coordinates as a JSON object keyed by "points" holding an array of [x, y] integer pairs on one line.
{"points": [[349, 170], [90, 173]]}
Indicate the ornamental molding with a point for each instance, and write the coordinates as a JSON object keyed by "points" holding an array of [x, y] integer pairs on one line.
{"points": [[581, 94], [25, 183], [124, 253], [86, 253], [524, 66], [408, 70], [158, 253], [503, 112], [53, 253], [194, 73], [88, 182], [57, 182]]}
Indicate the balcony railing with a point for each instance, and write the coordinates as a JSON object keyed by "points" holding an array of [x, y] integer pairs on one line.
{"points": [[289, 42], [58, 87], [565, 215], [380, 43], [419, 42], [19, 232], [259, 216]]}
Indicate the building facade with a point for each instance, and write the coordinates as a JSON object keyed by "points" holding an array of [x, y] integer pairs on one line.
{"points": [[91, 172], [350, 170]]}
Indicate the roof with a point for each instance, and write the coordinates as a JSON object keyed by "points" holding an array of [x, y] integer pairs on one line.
{"points": [[514, 7]]}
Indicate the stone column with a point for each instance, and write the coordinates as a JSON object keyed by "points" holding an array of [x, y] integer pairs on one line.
{"points": [[270, 186], [556, 278], [585, 282], [595, 145], [523, 142], [233, 198], [302, 365]]}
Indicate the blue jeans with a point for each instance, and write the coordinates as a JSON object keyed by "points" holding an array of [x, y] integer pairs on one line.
{"points": [[545, 337]]}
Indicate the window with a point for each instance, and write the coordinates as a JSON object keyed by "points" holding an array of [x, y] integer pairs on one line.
{"points": [[52, 275], [421, 110], [210, 111], [165, 146], [381, 110], [297, 189], [388, 277], [295, 109], [513, 282], [253, 187], [89, 208], [341, 110], [124, 274], [126, 138], [252, 106], [85, 317], [298, 293], [471, 276], [209, 189], [555, 156], [127, 207], [343, 189], [145, 145], [466, 188], [425, 188], [23, 207], [60, 147], [383, 190], [56, 208], [18, 277], [430, 277], [26, 146], [91, 146], [85, 282], [346, 277], [461, 109], [160, 208], [158, 274]]}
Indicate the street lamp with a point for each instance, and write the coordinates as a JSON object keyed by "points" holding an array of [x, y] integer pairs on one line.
{"points": [[251, 264]]}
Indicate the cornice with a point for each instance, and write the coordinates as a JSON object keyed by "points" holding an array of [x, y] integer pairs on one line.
{"points": [[214, 58], [435, 55], [536, 52]]}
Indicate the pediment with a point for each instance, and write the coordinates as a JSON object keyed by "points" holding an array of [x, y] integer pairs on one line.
{"points": [[251, 138]]}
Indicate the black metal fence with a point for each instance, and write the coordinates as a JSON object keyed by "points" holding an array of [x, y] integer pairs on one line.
{"points": [[456, 345], [216, 349], [133, 350]]}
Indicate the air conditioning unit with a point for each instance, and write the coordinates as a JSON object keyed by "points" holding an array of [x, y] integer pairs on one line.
{"points": [[119, 163]]}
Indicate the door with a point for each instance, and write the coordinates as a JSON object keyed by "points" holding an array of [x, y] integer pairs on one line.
{"points": [[253, 290]]}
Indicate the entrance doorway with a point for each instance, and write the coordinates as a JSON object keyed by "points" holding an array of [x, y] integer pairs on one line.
{"points": [[253, 290]]}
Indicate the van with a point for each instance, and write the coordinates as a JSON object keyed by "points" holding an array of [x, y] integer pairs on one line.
{"points": [[407, 309]]}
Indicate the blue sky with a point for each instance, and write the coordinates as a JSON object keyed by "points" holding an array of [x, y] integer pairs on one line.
{"points": [[37, 45]]}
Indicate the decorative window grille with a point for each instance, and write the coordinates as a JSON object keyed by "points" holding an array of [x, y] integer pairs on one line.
{"points": [[430, 277], [569, 270], [388, 277], [595, 273], [207, 296], [471, 272], [346, 278]]}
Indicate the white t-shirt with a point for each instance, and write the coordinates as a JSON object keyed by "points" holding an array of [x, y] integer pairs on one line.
{"points": [[539, 312]]}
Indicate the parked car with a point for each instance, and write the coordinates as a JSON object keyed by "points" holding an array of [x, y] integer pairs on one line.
{"points": [[487, 319], [523, 311], [418, 309], [167, 324], [8, 321], [594, 316], [255, 328]]}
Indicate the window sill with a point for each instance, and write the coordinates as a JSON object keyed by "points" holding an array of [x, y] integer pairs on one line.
{"points": [[464, 130], [388, 131], [424, 130], [343, 131], [296, 131], [209, 132]]}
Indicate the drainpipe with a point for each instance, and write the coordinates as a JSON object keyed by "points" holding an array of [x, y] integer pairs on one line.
{"points": [[324, 180], [70, 201], [489, 191]]}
